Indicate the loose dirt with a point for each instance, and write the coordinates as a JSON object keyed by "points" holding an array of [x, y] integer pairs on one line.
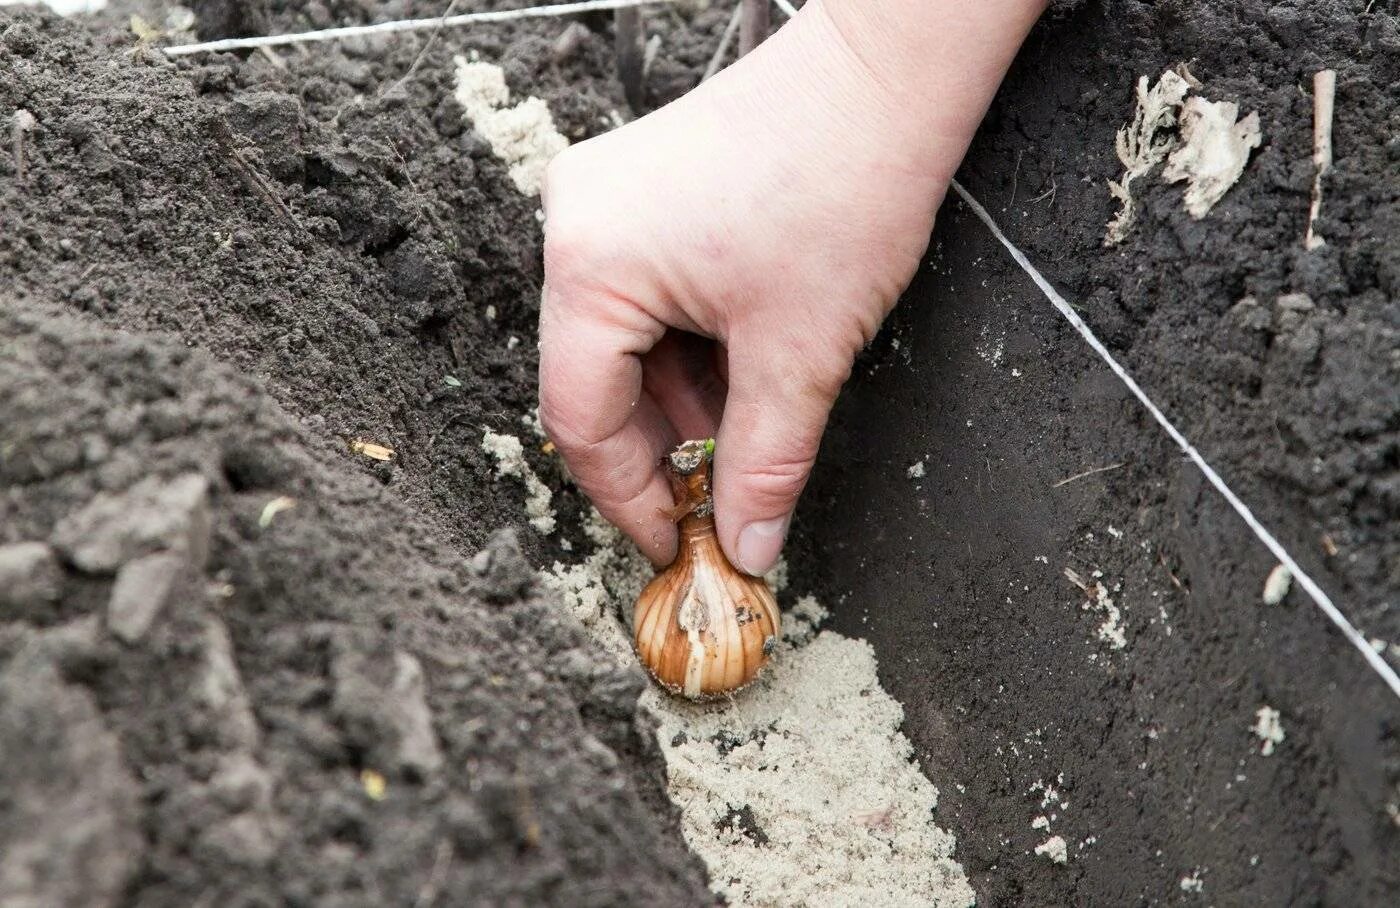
{"points": [[220, 272]]}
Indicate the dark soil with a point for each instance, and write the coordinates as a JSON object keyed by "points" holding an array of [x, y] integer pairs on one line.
{"points": [[989, 648], [331, 274], [329, 235]]}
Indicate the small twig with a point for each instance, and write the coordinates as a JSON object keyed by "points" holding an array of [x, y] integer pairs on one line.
{"points": [[1073, 577], [255, 179], [20, 125], [262, 186], [753, 25], [1069, 479], [1049, 193], [359, 101], [726, 39], [417, 60], [406, 25], [1015, 176], [1324, 98], [628, 45], [442, 859], [568, 42], [272, 58], [649, 55], [1176, 581]]}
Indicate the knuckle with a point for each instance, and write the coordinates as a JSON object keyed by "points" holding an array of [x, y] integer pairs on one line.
{"points": [[558, 424], [777, 484], [823, 371]]}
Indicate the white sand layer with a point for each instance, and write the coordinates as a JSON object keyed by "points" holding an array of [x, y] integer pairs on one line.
{"points": [[522, 135], [801, 790]]}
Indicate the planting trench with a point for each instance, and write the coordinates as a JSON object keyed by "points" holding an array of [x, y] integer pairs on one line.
{"points": [[222, 271]]}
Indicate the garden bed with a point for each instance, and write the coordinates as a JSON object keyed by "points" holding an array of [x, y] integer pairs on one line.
{"points": [[232, 279]]}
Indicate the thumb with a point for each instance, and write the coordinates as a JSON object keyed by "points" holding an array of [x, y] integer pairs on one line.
{"points": [[779, 398]]}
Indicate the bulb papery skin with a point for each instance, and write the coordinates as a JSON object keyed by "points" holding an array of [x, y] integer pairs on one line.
{"points": [[702, 627]]}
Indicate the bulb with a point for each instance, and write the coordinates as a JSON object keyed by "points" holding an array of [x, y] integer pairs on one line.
{"points": [[702, 627]]}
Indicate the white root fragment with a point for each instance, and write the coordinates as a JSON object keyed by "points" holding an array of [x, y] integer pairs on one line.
{"points": [[1214, 151], [1277, 584], [1143, 144], [1324, 102]]}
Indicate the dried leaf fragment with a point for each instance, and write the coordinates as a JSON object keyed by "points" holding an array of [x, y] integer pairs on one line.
{"points": [[1143, 144], [1214, 151], [371, 450], [144, 31]]}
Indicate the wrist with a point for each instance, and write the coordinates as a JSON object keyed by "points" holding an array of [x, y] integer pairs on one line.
{"points": [[931, 67]]}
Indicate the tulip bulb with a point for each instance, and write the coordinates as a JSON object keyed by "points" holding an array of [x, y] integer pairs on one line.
{"points": [[702, 627]]}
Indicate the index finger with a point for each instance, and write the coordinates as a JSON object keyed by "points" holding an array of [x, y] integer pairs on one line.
{"points": [[609, 430]]}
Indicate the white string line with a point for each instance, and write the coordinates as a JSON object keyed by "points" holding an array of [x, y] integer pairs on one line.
{"points": [[788, 9], [407, 25], [1323, 601]]}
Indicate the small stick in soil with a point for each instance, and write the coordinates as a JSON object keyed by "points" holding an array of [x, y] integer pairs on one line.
{"points": [[224, 136], [1176, 581], [437, 876], [649, 55], [1324, 99], [259, 184], [627, 29], [20, 125], [568, 42], [726, 39], [1069, 479], [1047, 194], [272, 58], [418, 58], [753, 27]]}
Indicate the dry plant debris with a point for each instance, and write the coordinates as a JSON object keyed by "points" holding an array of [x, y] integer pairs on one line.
{"points": [[1215, 147], [273, 508], [371, 450], [1144, 143], [1324, 103], [21, 124], [1209, 149]]}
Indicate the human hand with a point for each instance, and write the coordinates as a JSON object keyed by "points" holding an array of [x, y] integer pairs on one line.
{"points": [[778, 211]]}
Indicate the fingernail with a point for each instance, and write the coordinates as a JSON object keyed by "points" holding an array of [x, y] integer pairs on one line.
{"points": [[760, 543]]}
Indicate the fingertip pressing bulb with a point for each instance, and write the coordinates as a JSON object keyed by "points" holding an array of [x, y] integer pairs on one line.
{"points": [[702, 627]]}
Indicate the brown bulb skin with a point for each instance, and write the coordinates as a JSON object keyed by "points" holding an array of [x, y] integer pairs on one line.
{"points": [[702, 627]]}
